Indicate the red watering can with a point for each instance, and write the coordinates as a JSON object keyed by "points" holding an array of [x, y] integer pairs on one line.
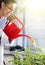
{"points": [[12, 30]]}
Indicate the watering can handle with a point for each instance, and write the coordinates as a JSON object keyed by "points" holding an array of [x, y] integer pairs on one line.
{"points": [[19, 22]]}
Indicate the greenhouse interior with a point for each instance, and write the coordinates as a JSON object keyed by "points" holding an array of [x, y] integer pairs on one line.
{"points": [[22, 32]]}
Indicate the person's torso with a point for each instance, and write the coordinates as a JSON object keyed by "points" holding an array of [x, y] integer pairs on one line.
{"points": [[2, 22]]}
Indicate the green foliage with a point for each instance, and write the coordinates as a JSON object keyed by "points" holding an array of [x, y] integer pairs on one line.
{"points": [[29, 57]]}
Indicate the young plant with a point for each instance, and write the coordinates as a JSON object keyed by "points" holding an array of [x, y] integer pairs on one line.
{"points": [[29, 57]]}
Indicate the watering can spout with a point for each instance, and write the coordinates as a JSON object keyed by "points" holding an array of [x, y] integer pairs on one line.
{"points": [[25, 35]]}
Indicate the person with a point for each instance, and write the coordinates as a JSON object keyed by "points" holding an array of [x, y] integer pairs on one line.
{"points": [[6, 7]]}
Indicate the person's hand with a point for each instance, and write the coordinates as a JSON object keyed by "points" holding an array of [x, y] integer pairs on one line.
{"points": [[11, 17]]}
